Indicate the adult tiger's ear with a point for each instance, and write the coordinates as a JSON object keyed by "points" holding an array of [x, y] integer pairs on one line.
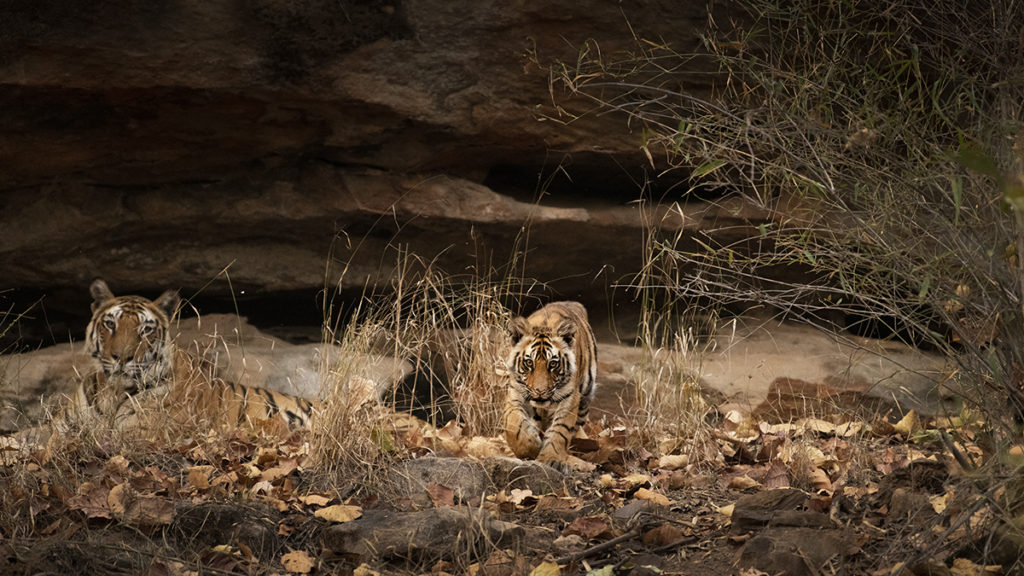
{"points": [[519, 328], [100, 293], [566, 330], [168, 302]]}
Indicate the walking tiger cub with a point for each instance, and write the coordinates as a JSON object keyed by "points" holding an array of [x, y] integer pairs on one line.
{"points": [[129, 339], [552, 373]]}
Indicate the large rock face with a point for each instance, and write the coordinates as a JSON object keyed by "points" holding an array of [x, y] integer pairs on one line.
{"points": [[157, 144], [123, 92]]}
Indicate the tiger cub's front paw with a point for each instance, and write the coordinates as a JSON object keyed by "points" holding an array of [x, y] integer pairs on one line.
{"points": [[580, 465], [568, 464]]}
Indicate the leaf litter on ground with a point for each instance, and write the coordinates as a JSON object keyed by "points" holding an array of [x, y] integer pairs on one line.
{"points": [[678, 497]]}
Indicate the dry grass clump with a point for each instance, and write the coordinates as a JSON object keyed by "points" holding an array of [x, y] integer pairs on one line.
{"points": [[667, 407], [451, 333]]}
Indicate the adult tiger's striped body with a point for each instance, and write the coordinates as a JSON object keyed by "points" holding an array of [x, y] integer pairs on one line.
{"points": [[553, 375], [129, 337]]}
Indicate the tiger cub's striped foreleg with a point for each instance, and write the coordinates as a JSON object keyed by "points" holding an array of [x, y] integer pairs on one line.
{"points": [[522, 432], [561, 429], [533, 432]]}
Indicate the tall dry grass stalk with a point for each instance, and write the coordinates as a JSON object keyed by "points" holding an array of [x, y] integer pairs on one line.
{"points": [[451, 331], [667, 407]]}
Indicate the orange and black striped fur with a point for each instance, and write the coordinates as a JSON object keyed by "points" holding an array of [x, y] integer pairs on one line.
{"points": [[552, 377], [129, 338]]}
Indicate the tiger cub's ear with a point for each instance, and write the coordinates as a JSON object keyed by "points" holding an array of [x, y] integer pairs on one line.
{"points": [[168, 302], [100, 293], [566, 330], [518, 328]]}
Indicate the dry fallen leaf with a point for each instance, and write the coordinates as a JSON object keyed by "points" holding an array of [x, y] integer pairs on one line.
{"points": [[117, 500], [339, 513], [149, 511], [262, 487], [777, 476], [964, 567], [662, 535], [498, 562], [229, 479], [166, 568], [364, 570], [91, 499], [634, 480], [248, 470], [146, 510], [673, 461], [517, 495], [908, 425], [587, 526], [481, 447], [940, 501], [651, 496], [315, 499], [298, 562], [849, 429], [117, 465], [742, 482], [552, 502], [820, 480], [441, 495], [546, 569], [199, 477], [284, 468]]}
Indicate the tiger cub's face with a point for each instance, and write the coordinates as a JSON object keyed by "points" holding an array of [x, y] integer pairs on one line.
{"points": [[129, 336], [543, 363]]}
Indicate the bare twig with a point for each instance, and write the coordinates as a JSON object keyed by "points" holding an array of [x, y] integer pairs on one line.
{"points": [[602, 547]]}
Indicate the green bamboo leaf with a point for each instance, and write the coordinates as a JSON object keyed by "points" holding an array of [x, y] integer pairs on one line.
{"points": [[974, 158], [958, 197], [1013, 192], [925, 287], [707, 168]]}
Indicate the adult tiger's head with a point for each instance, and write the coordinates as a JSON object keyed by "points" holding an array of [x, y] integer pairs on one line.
{"points": [[542, 360], [129, 336]]}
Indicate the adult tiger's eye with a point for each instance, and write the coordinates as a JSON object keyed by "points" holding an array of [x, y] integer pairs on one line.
{"points": [[146, 329], [109, 324]]}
